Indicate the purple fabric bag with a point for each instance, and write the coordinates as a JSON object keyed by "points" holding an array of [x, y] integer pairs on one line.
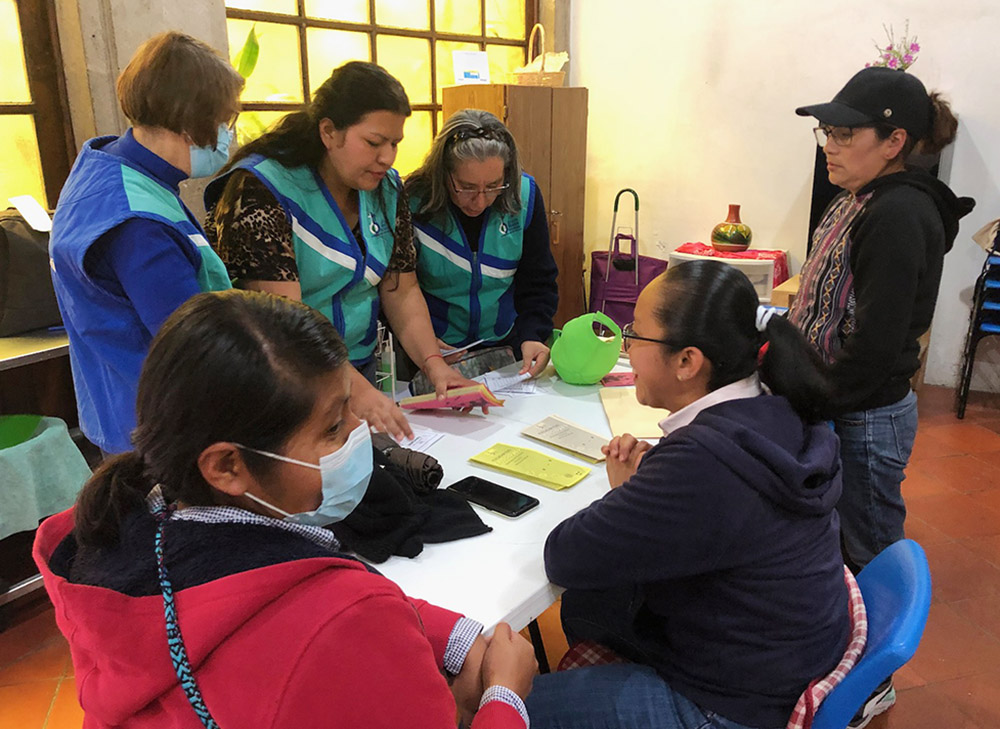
{"points": [[616, 278]]}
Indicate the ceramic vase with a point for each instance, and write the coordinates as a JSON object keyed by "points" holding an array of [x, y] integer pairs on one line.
{"points": [[732, 234]]}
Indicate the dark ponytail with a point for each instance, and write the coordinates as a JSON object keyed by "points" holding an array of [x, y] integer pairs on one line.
{"points": [[353, 90], [235, 366], [713, 306]]}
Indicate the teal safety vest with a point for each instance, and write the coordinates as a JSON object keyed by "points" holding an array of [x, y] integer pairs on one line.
{"points": [[336, 278], [470, 294]]}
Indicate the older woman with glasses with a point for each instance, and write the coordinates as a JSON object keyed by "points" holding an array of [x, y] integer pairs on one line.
{"points": [[483, 257], [869, 288]]}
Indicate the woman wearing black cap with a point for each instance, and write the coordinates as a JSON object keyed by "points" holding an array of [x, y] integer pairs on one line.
{"points": [[870, 284]]}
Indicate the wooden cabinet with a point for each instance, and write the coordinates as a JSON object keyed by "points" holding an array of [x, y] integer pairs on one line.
{"points": [[550, 127]]}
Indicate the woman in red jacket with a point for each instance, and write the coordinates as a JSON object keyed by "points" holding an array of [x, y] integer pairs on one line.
{"points": [[194, 580]]}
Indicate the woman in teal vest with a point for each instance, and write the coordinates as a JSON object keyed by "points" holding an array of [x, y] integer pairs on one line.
{"points": [[313, 210], [483, 257], [125, 250]]}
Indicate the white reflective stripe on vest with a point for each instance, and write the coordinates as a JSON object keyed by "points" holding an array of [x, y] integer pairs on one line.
{"points": [[199, 240], [372, 277], [438, 248], [317, 245], [497, 272]]}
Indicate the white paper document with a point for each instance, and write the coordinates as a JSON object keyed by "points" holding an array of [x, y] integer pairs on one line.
{"points": [[508, 384], [423, 438], [568, 436]]}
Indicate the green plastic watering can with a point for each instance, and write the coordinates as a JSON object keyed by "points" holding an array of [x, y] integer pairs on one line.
{"points": [[579, 355]]}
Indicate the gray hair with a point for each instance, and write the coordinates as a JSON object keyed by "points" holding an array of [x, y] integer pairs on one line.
{"points": [[469, 134]]}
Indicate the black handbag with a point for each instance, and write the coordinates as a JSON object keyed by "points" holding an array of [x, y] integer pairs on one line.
{"points": [[27, 299]]}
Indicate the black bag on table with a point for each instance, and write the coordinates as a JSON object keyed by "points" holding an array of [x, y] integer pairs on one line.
{"points": [[27, 299]]}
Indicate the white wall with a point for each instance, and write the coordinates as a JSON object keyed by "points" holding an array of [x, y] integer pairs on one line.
{"points": [[692, 104]]}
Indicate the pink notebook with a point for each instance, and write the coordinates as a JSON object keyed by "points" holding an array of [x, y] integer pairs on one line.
{"points": [[619, 379], [458, 397]]}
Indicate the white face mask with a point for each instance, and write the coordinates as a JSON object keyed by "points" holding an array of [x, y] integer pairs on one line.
{"points": [[345, 473]]}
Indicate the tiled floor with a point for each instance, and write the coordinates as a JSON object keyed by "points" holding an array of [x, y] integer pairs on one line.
{"points": [[953, 682]]}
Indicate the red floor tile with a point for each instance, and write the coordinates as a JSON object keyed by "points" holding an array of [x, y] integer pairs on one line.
{"points": [[982, 611], [957, 515], [927, 446], [965, 437], [986, 547], [48, 661], [963, 474], [27, 636], [26, 705], [921, 481], [958, 573], [66, 712], [953, 647], [920, 531], [978, 697]]}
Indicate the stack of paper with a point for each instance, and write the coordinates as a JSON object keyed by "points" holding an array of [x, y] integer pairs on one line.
{"points": [[626, 415], [457, 397], [568, 436], [532, 466]]}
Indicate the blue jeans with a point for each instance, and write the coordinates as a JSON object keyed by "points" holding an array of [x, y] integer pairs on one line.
{"points": [[616, 696], [875, 447]]}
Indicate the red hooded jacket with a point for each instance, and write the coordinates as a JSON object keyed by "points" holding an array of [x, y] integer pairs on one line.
{"points": [[316, 642]]}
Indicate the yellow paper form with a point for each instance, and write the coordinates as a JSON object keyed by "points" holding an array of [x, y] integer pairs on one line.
{"points": [[626, 415], [531, 465]]}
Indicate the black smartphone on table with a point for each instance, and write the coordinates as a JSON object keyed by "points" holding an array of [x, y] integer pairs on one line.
{"points": [[493, 496]]}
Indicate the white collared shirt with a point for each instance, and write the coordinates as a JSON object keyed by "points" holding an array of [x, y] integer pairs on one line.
{"points": [[747, 387]]}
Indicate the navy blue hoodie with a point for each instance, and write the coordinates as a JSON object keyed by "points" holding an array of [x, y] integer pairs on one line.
{"points": [[729, 530]]}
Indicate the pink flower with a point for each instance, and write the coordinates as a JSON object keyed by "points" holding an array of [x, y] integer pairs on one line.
{"points": [[914, 47], [868, 65], [893, 62], [886, 56], [907, 59], [889, 47]]}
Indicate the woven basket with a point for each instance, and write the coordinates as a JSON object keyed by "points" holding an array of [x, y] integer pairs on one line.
{"points": [[537, 78]]}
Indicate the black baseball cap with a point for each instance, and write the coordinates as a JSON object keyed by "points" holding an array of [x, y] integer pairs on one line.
{"points": [[877, 95]]}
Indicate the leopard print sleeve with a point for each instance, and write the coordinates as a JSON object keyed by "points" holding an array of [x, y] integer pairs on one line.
{"points": [[404, 253], [251, 233]]}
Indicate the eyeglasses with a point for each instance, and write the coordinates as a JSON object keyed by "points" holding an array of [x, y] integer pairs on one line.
{"points": [[842, 136], [472, 194], [628, 334]]}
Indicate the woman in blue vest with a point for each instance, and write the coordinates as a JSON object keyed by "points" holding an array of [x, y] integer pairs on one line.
{"points": [[125, 250], [313, 210], [483, 257]]}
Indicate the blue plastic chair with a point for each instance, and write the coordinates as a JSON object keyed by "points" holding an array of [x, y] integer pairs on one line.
{"points": [[896, 586], [984, 321]]}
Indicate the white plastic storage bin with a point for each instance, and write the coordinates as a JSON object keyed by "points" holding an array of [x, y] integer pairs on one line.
{"points": [[760, 273]]}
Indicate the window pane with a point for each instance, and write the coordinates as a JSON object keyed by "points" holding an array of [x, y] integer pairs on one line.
{"points": [[347, 11], [251, 124], [21, 171], [412, 14], [286, 7], [505, 19], [416, 142], [503, 60], [13, 79], [278, 75], [445, 65], [409, 60], [458, 16], [329, 49]]}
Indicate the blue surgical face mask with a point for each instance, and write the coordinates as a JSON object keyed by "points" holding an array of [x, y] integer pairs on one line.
{"points": [[345, 473], [206, 161]]}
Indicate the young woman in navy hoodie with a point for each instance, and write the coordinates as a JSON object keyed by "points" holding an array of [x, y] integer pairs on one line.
{"points": [[714, 563], [193, 578]]}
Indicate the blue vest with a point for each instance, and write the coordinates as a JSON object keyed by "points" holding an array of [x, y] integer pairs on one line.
{"points": [[335, 277], [108, 340], [470, 294]]}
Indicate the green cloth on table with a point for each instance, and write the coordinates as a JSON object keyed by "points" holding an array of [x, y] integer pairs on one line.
{"points": [[39, 477]]}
